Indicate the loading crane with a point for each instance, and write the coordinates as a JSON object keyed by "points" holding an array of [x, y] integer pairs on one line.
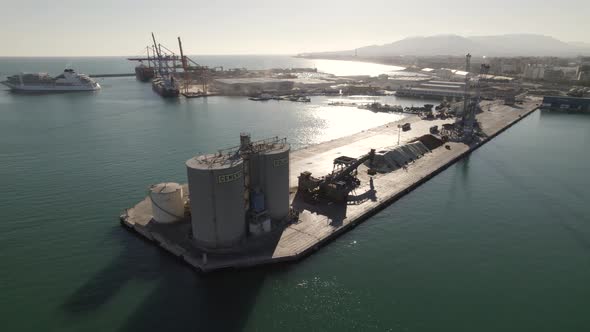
{"points": [[166, 63], [471, 99], [194, 72], [336, 185]]}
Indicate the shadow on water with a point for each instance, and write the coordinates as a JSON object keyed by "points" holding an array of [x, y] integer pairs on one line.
{"points": [[181, 299], [171, 100], [186, 301], [107, 282], [464, 166]]}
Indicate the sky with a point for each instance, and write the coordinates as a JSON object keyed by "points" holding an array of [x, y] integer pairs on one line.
{"points": [[123, 27]]}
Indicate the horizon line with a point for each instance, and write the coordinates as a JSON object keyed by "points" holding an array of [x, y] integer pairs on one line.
{"points": [[135, 55]]}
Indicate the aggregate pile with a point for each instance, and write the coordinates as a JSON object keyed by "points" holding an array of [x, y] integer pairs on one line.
{"points": [[392, 158]]}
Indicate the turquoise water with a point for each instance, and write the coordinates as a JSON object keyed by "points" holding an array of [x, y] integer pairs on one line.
{"points": [[499, 241]]}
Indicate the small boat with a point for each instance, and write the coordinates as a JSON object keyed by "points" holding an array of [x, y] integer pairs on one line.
{"points": [[262, 97], [68, 81]]}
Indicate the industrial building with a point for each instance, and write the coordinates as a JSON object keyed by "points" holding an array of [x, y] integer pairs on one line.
{"points": [[534, 71], [251, 86], [583, 73], [397, 81], [567, 103], [551, 73], [434, 89], [238, 192]]}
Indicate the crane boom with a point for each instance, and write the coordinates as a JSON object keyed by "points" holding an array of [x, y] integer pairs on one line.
{"points": [[158, 55], [184, 67], [354, 165]]}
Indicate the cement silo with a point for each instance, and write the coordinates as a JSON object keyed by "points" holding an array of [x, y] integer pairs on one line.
{"points": [[275, 180], [167, 202], [216, 187]]}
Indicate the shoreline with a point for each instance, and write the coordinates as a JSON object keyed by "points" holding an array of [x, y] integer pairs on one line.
{"points": [[377, 61]]}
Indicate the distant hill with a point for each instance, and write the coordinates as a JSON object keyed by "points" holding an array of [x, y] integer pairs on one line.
{"points": [[501, 45], [580, 45]]}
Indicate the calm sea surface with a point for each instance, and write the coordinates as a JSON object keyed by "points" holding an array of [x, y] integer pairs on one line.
{"points": [[498, 242]]}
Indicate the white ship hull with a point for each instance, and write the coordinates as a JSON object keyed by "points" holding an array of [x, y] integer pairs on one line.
{"points": [[50, 88]]}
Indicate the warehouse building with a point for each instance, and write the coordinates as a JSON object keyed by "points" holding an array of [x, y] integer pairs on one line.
{"points": [[252, 86], [567, 103]]}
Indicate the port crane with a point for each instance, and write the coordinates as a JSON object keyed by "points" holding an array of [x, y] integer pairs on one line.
{"points": [[167, 62], [150, 60], [163, 60], [194, 72], [471, 99]]}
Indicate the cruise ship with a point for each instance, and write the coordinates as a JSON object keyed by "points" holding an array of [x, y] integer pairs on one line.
{"points": [[68, 81]]}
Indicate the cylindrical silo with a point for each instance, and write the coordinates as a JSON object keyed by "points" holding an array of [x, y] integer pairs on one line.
{"points": [[216, 187], [275, 180], [167, 203]]}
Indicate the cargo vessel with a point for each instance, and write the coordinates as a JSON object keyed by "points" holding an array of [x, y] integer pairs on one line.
{"points": [[144, 73], [165, 86]]}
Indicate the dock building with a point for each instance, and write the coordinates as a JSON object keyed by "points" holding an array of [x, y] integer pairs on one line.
{"points": [[433, 89], [253, 85], [567, 103]]}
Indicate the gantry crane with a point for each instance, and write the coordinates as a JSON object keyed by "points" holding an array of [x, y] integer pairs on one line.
{"points": [[166, 63], [194, 72]]}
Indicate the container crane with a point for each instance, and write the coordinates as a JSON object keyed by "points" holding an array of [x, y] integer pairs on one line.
{"points": [[194, 70], [166, 62]]}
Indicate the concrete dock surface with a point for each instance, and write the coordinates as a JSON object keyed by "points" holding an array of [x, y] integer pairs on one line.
{"points": [[320, 223]]}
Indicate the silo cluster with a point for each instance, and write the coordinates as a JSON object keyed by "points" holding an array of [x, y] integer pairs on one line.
{"points": [[238, 192], [216, 189]]}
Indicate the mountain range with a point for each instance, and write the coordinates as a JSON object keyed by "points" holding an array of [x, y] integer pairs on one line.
{"points": [[499, 45]]}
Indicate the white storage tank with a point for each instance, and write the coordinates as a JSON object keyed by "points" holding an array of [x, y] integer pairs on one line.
{"points": [[275, 180], [167, 203], [216, 187]]}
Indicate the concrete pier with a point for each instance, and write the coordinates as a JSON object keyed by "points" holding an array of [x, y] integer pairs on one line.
{"points": [[320, 223]]}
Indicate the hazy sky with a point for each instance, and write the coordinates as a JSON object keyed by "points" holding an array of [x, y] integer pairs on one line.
{"points": [[108, 27]]}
